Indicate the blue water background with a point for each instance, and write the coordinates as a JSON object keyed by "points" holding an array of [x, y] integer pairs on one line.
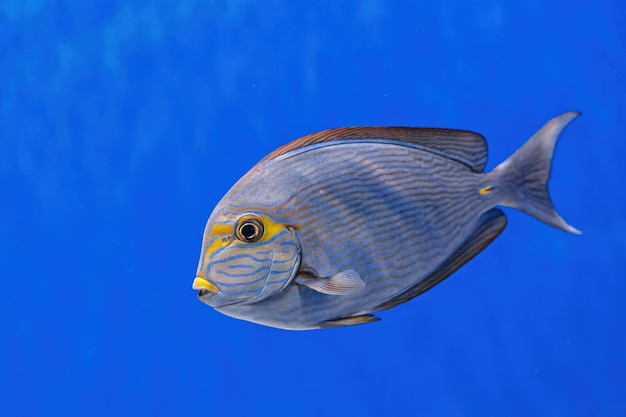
{"points": [[123, 123]]}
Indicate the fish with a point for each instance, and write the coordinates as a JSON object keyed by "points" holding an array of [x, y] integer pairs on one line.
{"points": [[332, 228]]}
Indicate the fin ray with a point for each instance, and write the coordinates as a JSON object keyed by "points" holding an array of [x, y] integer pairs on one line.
{"points": [[463, 146], [522, 180], [345, 282], [348, 321]]}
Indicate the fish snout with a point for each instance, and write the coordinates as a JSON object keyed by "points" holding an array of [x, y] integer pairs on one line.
{"points": [[204, 286]]}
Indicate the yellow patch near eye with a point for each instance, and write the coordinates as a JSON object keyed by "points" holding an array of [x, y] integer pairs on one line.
{"points": [[224, 230], [272, 228], [485, 190], [221, 229]]}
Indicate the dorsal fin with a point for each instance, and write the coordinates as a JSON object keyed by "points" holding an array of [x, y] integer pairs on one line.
{"points": [[462, 146]]}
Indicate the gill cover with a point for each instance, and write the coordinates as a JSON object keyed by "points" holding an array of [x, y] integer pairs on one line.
{"points": [[249, 257]]}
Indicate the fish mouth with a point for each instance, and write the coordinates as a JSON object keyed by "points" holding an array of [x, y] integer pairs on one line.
{"points": [[204, 287]]}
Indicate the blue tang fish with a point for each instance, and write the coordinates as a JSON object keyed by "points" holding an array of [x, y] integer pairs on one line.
{"points": [[333, 227]]}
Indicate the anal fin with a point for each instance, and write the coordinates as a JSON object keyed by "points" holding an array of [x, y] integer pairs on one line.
{"points": [[348, 321], [489, 227]]}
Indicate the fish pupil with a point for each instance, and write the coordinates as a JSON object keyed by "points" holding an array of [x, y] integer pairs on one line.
{"points": [[248, 231]]}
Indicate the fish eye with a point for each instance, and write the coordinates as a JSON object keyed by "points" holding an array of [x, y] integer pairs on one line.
{"points": [[249, 229]]}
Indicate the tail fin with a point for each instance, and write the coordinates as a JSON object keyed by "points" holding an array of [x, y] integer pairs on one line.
{"points": [[522, 180]]}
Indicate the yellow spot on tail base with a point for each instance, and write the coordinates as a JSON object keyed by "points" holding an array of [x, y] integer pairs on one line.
{"points": [[485, 190], [200, 283]]}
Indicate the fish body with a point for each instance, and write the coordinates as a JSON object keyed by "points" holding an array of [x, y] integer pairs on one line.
{"points": [[338, 225]]}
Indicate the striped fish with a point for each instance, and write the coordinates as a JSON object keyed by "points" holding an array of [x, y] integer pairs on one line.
{"points": [[333, 227]]}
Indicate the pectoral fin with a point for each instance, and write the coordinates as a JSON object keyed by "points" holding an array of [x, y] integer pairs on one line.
{"points": [[345, 282]]}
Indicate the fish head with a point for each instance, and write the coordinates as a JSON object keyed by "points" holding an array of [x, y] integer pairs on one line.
{"points": [[246, 257]]}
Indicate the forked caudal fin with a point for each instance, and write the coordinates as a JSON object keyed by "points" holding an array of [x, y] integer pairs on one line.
{"points": [[522, 180]]}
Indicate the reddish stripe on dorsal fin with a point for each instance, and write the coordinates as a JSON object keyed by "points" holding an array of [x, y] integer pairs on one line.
{"points": [[463, 146]]}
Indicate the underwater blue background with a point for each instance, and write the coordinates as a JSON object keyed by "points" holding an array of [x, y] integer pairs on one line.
{"points": [[123, 123]]}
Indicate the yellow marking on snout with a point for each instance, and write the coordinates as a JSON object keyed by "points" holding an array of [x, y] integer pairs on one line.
{"points": [[224, 230], [485, 190], [221, 229], [200, 283]]}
